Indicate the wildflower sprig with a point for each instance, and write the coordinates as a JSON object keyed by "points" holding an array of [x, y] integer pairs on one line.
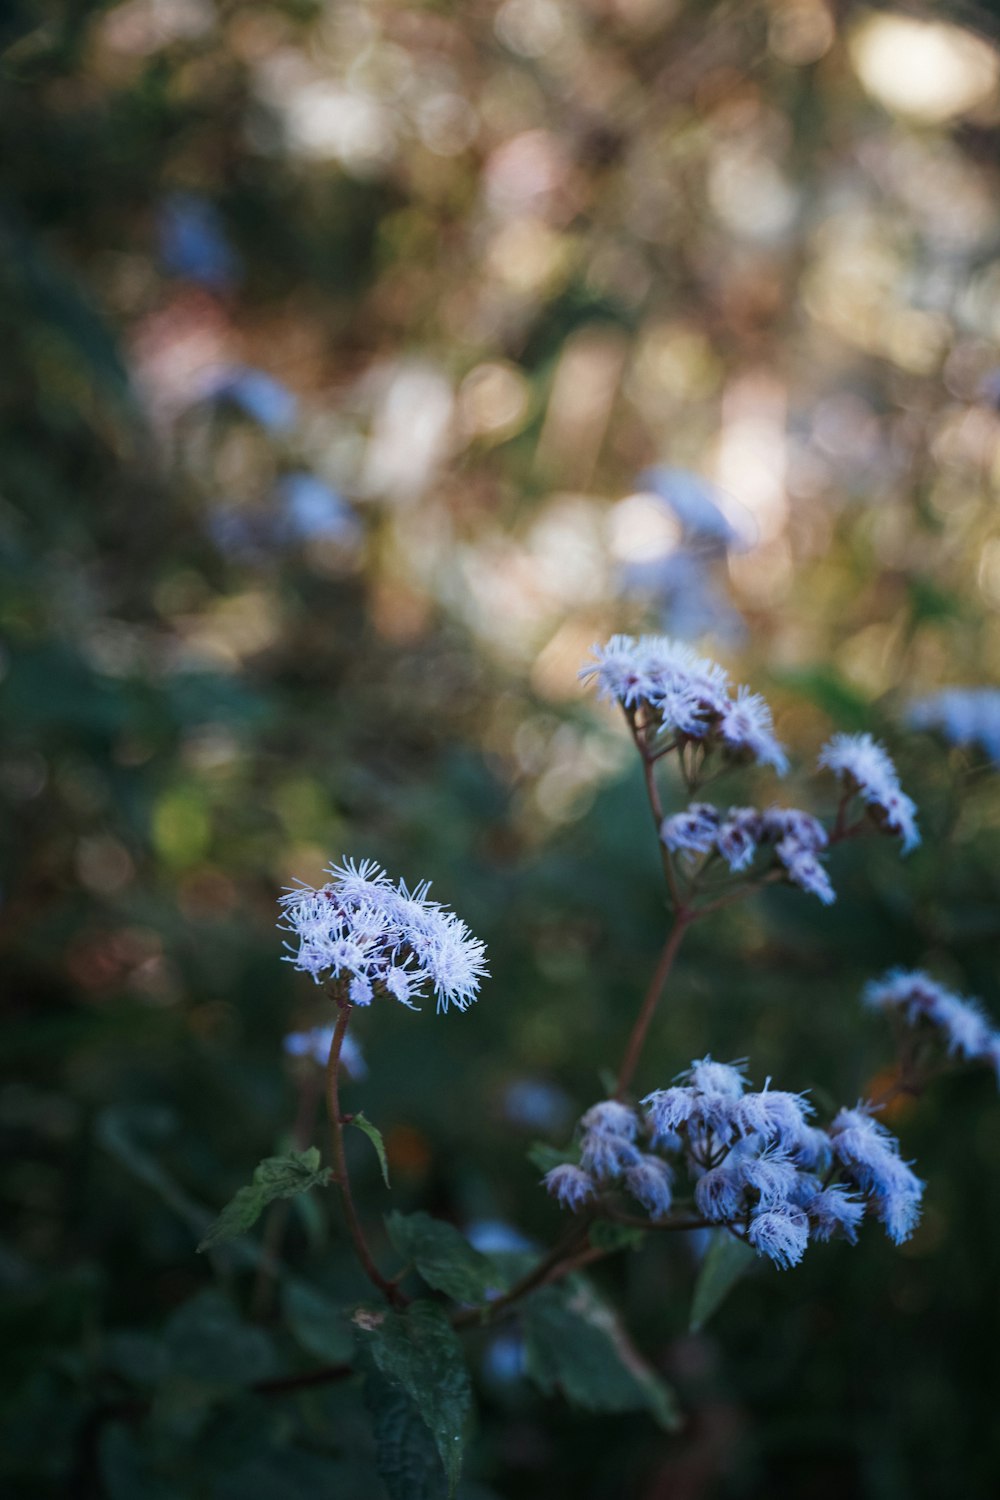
{"points": [[752, 1160], [707, 1151], [381, 938]]}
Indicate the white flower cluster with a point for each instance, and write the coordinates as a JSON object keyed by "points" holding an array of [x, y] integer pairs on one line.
{"points": [[737, 835], [917, 997], [382, 938], [865, 768], [756, 1163], [689, 694]]}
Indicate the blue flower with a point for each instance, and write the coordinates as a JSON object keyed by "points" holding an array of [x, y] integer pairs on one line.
{"points": [[312, 511], [865, 768], [719, 1192], [570, 1186], [692, 831], [773, 1177], [870, 1154], [649, 1181], [606, 1157], [690, 694], [257, 394], [747, 731], [781, 1234], [774, 1115], [834, 1210], [193, 244], [966, 1029], [738, 837]]}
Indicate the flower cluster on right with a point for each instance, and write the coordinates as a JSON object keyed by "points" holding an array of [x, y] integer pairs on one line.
{"points": [[752, 1159]]}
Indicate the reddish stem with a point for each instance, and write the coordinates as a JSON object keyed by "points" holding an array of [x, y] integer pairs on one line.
{"points": [[661, 973], [340, 1175]]}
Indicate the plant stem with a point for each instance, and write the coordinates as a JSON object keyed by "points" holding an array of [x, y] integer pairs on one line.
{"points": [[340, 1175], [661, 973], [549, 1268]]}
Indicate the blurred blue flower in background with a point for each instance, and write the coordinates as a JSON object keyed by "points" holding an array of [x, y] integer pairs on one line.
{"points": [[255, 393], [495, 1236], [672, 560], [312, 511], [193, 244], [962, 716], [536, 1105]]}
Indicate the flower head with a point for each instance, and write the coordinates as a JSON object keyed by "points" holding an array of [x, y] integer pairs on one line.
{"points": [[690, 694], [570, 1186], [866, 769], [917, 997], [781, 1234], [870, 1155], [378, 937]]}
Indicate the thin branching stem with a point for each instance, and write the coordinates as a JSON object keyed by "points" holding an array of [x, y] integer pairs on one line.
{"points": [[647, 1010], [340, 1175]]}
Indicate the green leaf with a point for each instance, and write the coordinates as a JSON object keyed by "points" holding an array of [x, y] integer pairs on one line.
{"points": [[604, 1235], [207, 1344], [407, 1457], [575, 1343], [443, 1256], [726, 1260], [319, 1325], [420, 1352], [274, 1177], [545, 1157], [375, 1136]]}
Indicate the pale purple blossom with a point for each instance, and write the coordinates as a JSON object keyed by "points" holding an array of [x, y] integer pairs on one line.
{"points": [[865, 768], [649, 1180], [870, 1155], [570, 1186], [797, 838], [747, 729], [834, 1209], [692, 831], [382, 938], [966, 1029], [781, 1234], [690, 695]]}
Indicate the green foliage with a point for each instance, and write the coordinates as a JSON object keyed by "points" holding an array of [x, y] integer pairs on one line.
{"points": [[726, 1261], [274, 1177], [375, 1136], [318, 1324], [419, 1353], [443, 1256], [575, 1344], [606, 1235], [408, 1460]]}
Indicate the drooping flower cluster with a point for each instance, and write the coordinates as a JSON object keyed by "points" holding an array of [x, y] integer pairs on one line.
{"points": [[690, 695], [756, 1162], [963, 716], [865, 769], [918, 998], [796, 838], [382, 938]]}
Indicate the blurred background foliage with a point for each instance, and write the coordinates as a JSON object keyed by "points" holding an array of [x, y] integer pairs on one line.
{"points": [[362, 364]]}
